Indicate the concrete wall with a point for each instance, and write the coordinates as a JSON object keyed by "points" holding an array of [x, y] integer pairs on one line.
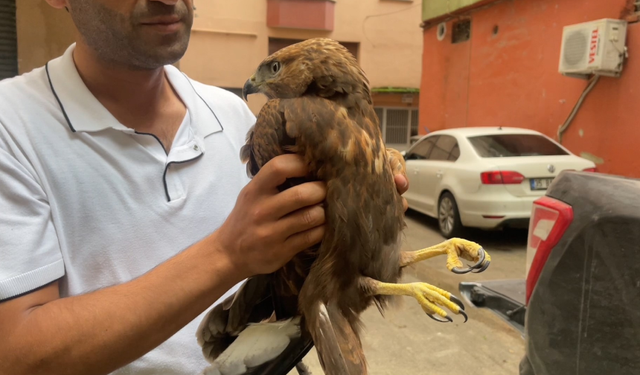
{"points": [[43, 33], [434, 9], [511, 78], [231, 38]]}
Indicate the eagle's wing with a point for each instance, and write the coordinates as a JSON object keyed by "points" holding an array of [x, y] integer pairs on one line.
{"points": [[239, 335], [266, 138], [330, 137], [221, 325]]}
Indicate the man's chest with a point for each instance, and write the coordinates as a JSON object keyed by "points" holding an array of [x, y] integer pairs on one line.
{"points": [[121, 205]]}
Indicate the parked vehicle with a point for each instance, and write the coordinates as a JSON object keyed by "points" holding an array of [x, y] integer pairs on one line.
{"points": [[579, 308], [484, 177]]}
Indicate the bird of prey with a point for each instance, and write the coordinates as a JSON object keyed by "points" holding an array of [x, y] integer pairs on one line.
{"points": [[320, 107]]}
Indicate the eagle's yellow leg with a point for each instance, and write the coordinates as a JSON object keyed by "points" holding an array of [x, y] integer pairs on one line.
{"points": [[431, 299], [455, 249]]}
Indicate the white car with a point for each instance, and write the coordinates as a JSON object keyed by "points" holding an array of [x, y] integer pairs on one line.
{"points": [[484, 177]]}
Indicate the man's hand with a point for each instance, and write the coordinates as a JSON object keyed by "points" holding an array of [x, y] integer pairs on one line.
{"points": [[268, 227], [402, 183], [399, 169]]}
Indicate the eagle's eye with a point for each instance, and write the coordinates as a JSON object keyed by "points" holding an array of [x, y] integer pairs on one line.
{"points": [[275, 67]]}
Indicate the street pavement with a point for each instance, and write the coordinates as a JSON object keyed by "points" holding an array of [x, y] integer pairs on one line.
{"points": [[407, 342]]}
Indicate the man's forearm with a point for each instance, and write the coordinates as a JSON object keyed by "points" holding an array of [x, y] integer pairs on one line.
{"points": [[101, 331]]}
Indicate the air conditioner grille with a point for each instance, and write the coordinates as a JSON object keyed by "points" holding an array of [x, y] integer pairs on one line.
{"points": [[575, 50]]}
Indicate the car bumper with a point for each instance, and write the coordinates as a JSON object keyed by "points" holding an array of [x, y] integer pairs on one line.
{"points": [[505, 298], [496, 211]]}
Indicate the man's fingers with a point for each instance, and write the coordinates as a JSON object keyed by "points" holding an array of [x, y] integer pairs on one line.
{"points": [[305, 240], [275, 172], [402, 183], [302, 220], [295, 198]]}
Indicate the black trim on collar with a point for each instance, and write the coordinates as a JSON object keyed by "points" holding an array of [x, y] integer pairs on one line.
{"points": [[64, 113], [166, 168], [204, 101], [157, 139]]}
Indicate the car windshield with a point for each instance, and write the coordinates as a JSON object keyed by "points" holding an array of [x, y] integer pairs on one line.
{"points": [[510, 145]]}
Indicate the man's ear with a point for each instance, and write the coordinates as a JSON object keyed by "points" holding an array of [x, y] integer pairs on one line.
{"points": [[59, 4]]}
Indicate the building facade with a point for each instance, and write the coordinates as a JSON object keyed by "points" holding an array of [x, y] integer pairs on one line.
{"points": [[231, 37], [495, 63]]}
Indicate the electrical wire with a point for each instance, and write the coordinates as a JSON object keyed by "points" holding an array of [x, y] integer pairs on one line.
{"points": [[364, 32], [563, 128]]}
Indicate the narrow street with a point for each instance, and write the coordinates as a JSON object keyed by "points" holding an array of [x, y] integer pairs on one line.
{"points": [[407, 342]]}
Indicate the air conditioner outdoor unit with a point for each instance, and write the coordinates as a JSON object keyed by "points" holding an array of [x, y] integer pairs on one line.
{"points": [[597, 47]]}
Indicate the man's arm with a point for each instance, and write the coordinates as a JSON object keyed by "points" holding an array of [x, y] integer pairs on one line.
{"points": [[98, 332]]}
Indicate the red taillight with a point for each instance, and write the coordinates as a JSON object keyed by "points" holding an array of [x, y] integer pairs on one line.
{"points": [[501, 178], [590, 170], [550, 218]]}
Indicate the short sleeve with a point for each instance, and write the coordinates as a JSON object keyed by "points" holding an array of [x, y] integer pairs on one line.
{"points": [[30, 255]]}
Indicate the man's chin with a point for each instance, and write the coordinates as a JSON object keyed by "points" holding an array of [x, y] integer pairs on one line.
{"points": [[156, 55]]}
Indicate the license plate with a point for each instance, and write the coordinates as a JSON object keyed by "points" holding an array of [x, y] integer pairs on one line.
{"points": [[541, 183]]}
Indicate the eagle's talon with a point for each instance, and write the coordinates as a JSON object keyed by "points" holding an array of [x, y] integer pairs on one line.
{"points": [[456, 249], [461, 271], [480, 266], [448, 319], [457, 301], [482, 255], [483, 268], [463, 313], [431, 298]]}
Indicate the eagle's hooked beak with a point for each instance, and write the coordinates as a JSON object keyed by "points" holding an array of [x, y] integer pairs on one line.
{"points": [[249, 88]]}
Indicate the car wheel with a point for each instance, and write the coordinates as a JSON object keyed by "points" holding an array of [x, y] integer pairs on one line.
{"points": [[448, 216]]}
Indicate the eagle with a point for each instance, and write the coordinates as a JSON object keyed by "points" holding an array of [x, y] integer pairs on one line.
{"points": [[320, 107]]}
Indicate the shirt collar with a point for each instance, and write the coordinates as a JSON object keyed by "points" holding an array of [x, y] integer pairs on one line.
{"points": [[84, 113]]}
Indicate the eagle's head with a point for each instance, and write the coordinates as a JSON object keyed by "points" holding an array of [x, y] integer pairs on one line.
{"points": [[317, 66]]}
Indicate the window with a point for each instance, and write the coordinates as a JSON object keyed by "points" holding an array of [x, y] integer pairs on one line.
{"points": [[461, 31], [455, 153], [443, 148], [422, 149], [510, 145], [414, 122], [398, 125], [8, 39]]}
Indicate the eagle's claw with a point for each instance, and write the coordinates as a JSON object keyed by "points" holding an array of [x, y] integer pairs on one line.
{"points": [[448, 319], [457, 301], [480, 266], [432, 299]]}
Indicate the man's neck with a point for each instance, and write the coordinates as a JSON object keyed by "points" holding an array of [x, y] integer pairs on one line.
{"points": [[140, 99], [111, 82]]}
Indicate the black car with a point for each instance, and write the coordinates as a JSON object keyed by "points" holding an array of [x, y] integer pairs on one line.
{"points": [[579, 307]]}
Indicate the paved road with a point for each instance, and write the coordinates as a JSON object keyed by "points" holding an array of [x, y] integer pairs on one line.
{"points": [[407, 342]]}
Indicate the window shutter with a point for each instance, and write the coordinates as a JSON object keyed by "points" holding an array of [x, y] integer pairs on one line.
{"points": [[8, 39]]}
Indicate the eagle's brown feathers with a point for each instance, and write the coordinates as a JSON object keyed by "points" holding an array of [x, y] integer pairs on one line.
{"points": [[320, 107]]}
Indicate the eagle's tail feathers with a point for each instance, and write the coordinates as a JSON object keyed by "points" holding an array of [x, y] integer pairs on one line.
{"points": [[337, 342]]}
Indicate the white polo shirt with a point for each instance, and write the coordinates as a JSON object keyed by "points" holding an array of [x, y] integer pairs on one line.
{"points": [[86, 200]]}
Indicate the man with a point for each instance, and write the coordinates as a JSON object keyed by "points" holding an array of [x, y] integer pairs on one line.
{"points": [[125, 212]]}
